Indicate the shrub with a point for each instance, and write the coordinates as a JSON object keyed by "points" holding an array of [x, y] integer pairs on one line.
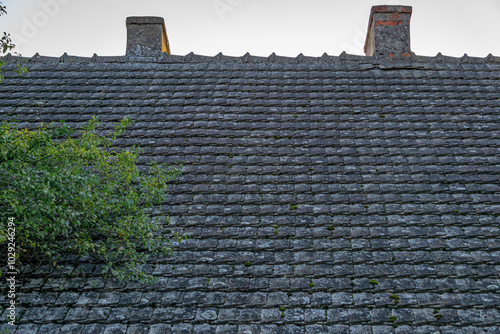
{"points": [[73, 193]]}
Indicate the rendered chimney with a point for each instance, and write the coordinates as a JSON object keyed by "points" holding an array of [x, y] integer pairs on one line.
{"points": [[389, 32], [146, 36]]}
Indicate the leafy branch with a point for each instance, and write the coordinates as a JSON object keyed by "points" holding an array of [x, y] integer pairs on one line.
{"points": [[75, 194], [6, 44]]}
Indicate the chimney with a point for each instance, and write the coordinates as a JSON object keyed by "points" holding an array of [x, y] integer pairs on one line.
{"points": [[146, 36], [389, 32]]}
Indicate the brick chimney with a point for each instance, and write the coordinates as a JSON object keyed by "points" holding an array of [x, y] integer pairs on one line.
{"points": [[389, 32], [146, 36]]}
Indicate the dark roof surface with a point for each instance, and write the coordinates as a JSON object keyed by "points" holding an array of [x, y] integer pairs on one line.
{"points": [[321, 173]]}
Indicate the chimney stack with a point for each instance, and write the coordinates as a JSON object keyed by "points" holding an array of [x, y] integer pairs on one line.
{"points": [[146, 36], [389, 32]]}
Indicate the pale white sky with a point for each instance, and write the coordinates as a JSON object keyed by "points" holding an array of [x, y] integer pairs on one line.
{"points": [[234, 27]]}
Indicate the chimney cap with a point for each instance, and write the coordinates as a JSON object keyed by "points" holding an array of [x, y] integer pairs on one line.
{"points": [[391, 9], [145, 20], [399, 39]]}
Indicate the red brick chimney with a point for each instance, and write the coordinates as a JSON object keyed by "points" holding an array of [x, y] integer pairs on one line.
{"points": [[389, 32], [146, 36]]}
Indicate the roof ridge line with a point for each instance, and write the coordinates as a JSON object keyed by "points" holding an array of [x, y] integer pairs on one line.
{"points": [[248, 58]]}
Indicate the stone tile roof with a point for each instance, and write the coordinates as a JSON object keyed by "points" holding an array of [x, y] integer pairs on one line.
{"points": [[322, 195]]}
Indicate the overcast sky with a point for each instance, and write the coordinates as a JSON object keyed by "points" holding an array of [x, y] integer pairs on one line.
{"points": [[234, 27]]}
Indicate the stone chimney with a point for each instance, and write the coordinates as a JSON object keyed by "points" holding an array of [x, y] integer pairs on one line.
{"points": [[389, 32], [146, 36]]}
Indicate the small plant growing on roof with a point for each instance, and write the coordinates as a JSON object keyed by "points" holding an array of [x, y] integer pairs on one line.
{"points": [[393, 319], [395, 297]]}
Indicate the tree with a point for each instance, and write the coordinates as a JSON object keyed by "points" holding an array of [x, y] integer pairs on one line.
{"points": [[6, 44], [71, 192], [5, 41]]}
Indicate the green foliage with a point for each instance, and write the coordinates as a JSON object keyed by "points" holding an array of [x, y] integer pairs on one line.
{"points": [[6, 44], [395, 297], [75, 194], [5, 41]]}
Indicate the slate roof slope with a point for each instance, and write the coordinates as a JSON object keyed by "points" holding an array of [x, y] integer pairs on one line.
{"points": [[322, 195]]}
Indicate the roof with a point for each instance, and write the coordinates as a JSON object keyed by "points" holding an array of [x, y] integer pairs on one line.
{"points": [[305, 183]]}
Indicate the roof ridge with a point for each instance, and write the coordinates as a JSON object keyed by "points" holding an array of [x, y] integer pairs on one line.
{"points": [[248, 58]]}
